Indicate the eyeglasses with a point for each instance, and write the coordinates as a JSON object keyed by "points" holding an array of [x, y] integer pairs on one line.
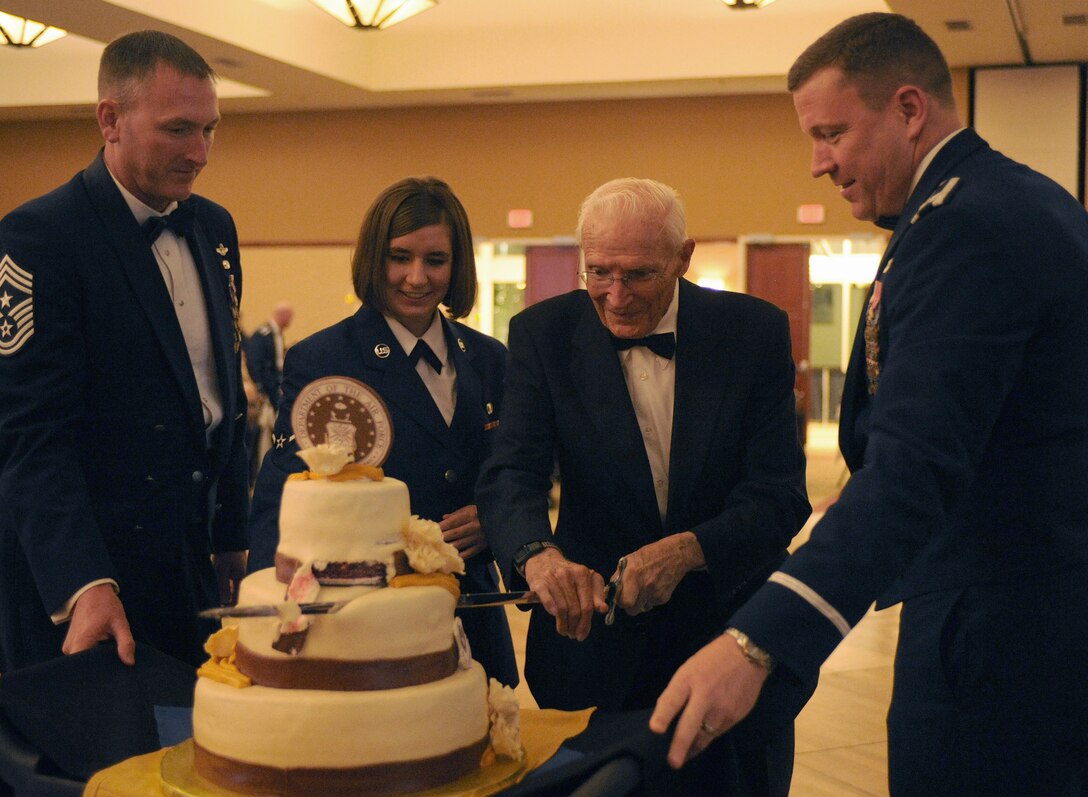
{"points": [[601, 278]]}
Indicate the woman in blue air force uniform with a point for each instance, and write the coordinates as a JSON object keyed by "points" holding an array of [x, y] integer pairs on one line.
{"points": [[414, 253]]}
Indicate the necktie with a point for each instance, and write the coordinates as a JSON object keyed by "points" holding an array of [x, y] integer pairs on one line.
{"points": [[662, 344], [423, 350], [180, 222]]}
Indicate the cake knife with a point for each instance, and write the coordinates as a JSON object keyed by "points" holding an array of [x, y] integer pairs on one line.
{"points": [[472, 600]]}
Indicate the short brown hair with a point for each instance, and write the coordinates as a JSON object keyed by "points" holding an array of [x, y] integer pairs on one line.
{"points": [[405, 207], [129, 60], [878, 53]]}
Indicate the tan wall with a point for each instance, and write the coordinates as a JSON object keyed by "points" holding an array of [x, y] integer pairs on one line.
{"points": [[739, 162]]}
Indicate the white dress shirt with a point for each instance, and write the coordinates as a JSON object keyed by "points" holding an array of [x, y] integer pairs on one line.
{"points": [[179, 272], [651, 383]]}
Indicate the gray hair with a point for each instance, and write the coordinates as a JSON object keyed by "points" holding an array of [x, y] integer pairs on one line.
{"points": [[634, 196]]}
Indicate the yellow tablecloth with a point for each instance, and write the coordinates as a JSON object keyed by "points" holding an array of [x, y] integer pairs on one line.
{"points": [[543, 731]]}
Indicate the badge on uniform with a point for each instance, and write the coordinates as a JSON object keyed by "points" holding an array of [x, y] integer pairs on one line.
{"points": [[16, 307]]}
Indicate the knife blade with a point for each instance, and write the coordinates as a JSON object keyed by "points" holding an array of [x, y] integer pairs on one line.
{"points": [[478, 600], [472, 600], [273, 609]]}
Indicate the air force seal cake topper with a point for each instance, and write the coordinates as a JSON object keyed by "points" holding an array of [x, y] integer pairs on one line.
{"points": [[343, 412]]}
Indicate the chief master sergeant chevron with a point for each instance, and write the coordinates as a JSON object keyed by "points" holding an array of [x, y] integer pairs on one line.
{"points": [[965, 423], [122, 414]]}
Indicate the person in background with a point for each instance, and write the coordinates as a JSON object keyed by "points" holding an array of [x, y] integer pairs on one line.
{"points": [[122, 415], [442, 382], [264, 353], [965, 423], [670, 411]]}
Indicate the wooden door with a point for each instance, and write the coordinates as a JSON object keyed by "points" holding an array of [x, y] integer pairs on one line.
{"points": [[779, 274], [550, 271]]}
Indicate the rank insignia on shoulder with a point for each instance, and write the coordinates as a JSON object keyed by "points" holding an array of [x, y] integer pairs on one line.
{"points": [[221, 250], [16, 306], [938, 197]]}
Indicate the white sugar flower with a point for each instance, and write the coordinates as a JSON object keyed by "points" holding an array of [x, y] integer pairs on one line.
{"points": [[426, 550], [505, 717], [327, 459]]}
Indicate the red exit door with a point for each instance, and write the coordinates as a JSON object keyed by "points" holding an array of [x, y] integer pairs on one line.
{"points": [[779, 274]]}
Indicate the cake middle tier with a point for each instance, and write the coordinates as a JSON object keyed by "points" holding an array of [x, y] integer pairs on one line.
{"points": [[385, 638]]}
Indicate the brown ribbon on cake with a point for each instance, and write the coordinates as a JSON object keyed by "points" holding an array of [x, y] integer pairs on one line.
{"points": [[376, 780], [345, 676]]}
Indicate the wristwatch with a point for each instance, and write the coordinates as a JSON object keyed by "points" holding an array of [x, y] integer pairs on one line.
{"points": [[753, 652], [528, 551]]}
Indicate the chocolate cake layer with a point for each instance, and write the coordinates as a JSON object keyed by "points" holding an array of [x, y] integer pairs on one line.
{"points": [[344, 573]]}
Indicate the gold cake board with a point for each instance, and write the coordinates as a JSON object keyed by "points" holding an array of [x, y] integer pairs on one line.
{"points": [[169, 772]]}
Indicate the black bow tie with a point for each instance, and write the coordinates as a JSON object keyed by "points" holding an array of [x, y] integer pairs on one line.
{"points": [[427, 353], [662, 344], [180, 222]]}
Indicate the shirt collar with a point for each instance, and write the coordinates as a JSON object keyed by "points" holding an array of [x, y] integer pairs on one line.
{"points": [[141, 211], [435, 336], [668, 321], [928, 159]]}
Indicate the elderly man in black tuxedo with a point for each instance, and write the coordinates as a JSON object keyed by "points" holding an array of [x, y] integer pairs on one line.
{"points": [[669, 410], [123, 482]]}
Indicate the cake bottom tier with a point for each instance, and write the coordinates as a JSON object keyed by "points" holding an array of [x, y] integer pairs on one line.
{"points": [[314, 742]]}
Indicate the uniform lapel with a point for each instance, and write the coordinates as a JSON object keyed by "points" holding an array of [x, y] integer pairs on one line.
{"points": [[135, 259], [855, 398], [705, 363], [468, 418], [217, 299], [598, 379]]}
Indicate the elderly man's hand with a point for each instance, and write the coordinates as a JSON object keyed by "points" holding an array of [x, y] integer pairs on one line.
{"points": [[654, 570], [716, 688], [570, 592]]}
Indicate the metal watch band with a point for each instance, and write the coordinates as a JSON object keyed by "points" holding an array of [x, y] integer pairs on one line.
{"points": [[753, 652], [528, 551]]}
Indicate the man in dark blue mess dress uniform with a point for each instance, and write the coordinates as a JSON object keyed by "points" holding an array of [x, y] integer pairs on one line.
{"points": [[122, 463], [965, 423]]}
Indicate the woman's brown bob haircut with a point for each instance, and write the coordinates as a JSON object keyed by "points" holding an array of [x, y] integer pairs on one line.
{"points": [[405, 207]]}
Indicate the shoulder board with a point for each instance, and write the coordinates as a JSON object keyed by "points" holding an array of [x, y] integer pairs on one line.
{"points": [[938, 197]]}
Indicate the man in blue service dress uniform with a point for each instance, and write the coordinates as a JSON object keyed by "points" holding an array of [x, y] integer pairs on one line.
{"points": [[965, 423], [122, 460], [264, 353]]}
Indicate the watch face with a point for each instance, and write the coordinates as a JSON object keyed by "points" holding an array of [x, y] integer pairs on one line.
{"points": [[344, 412]]}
